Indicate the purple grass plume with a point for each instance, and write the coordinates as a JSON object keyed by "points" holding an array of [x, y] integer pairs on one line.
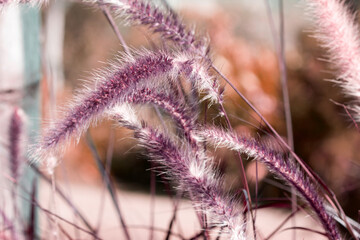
{"points": [[112, 87], [197, 177], [283, 168], [108, 89], [16, 139]]}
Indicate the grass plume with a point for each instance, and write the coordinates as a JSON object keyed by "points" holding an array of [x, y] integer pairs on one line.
{"points": [[338, 32]]}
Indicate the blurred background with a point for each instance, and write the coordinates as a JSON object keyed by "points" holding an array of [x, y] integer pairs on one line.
{"points": [[77, 39]]}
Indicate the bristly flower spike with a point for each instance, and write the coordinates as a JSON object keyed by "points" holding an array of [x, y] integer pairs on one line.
{"points": [[284, 169], [197, 177], [110, 89], [337, 30], [191, 172]]}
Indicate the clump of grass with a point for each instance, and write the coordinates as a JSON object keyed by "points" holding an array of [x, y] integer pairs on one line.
{"points": [[155, 78]]}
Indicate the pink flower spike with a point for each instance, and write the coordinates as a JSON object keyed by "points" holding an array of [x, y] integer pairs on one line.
{"points": [[194, 174], [339, 33], [109, 89]]}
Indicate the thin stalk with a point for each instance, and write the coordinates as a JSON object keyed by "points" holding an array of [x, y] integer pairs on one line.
{"points": [[109, 155], [173, 219], [50, 213], [158, 230], [53, 205], [280, 48], [7, 224], [346, 108], [286, 101], [30, 231], [152, 201], [282, 224], [256, 188], [15, 209], [112, 23], [243, 174], [65, 198], [108, 183]]}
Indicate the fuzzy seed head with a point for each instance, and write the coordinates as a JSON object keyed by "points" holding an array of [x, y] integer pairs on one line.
{"points": [[109, 89], [194, 176], [339, 34]]}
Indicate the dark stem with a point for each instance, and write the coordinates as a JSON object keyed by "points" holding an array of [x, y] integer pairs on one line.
{"points": [[152, 200], [113, 26], [286, 100], [65, 198], [109, 155], [282, 224], [108, 183], [243, 174]]}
